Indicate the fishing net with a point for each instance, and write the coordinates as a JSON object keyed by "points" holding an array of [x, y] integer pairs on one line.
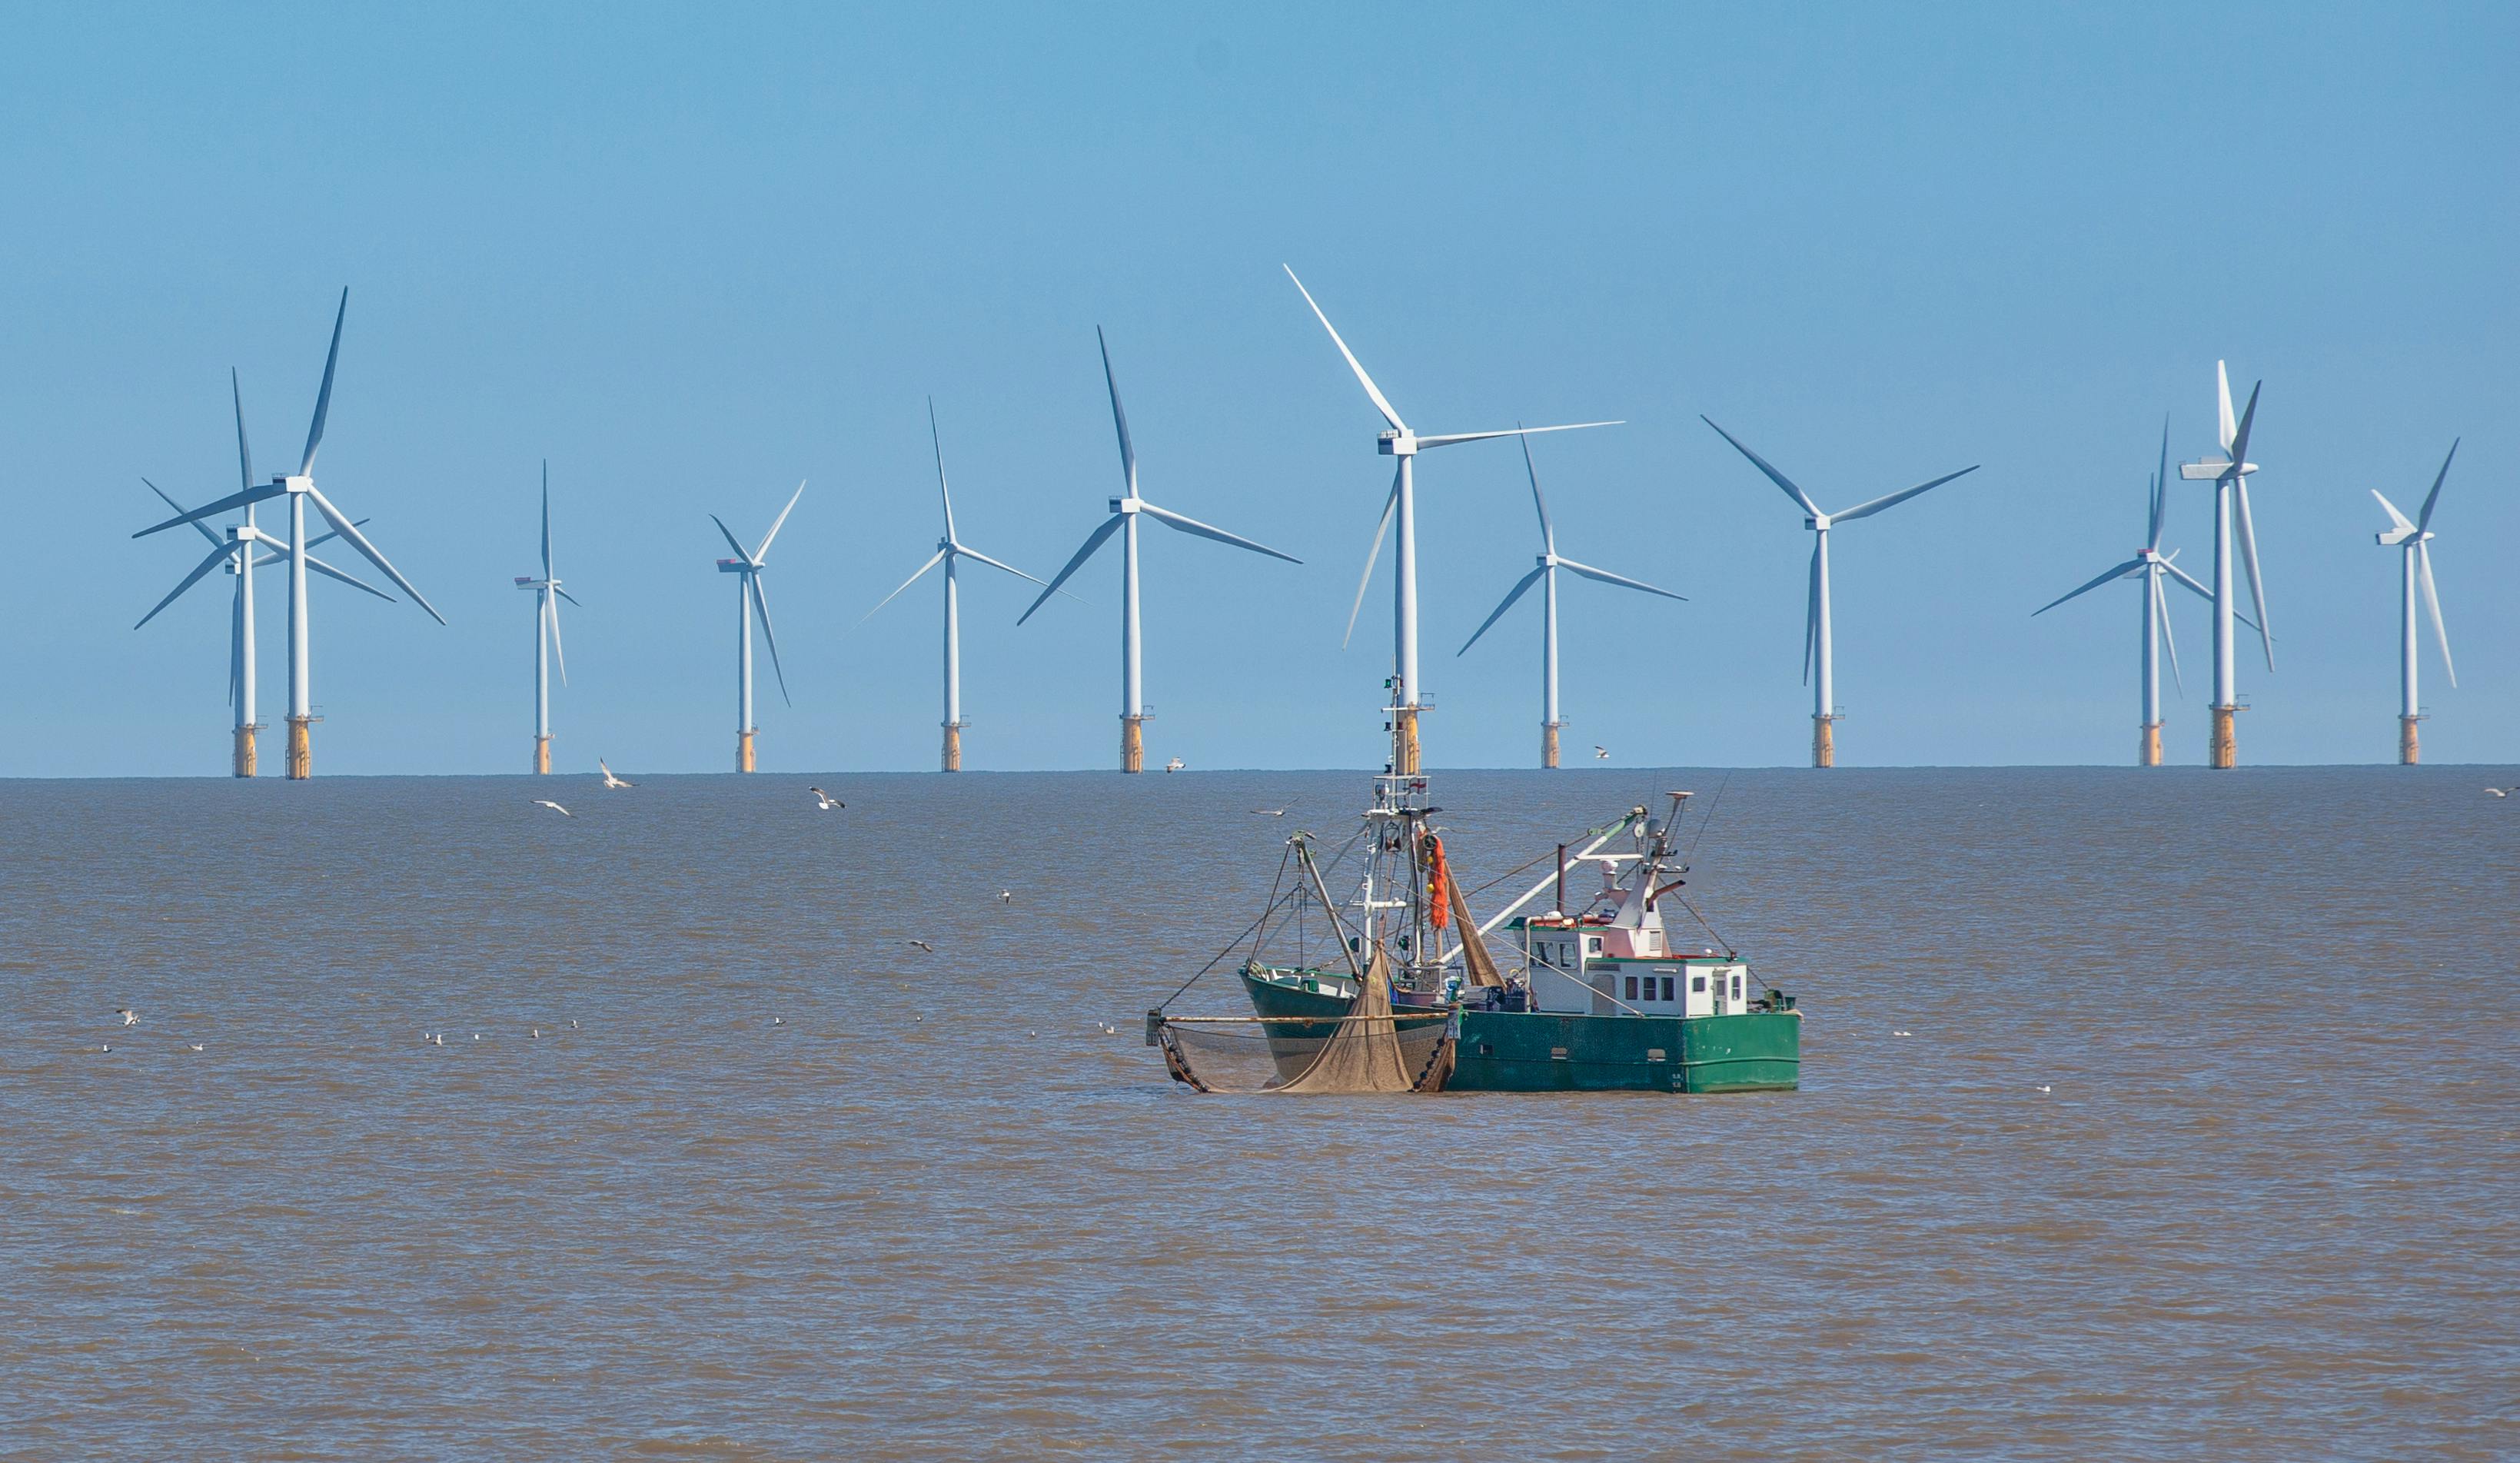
{"points": [[1368, 1050]]}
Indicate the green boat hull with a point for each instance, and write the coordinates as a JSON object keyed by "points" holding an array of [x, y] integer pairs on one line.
{"points": [[1515, 1051]]}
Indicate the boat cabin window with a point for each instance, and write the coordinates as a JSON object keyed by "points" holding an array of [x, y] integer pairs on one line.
{"points": [[1666, 987], [1592, 945], [1697, 983], [1632, 989], [1736, 987]]}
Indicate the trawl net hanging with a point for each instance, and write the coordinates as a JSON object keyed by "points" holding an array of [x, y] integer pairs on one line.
{"points": [[1368, 1050]]}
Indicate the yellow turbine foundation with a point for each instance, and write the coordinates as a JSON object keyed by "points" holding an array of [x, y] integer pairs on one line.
{"points": [[1823, 742], [542, 756], [301, 747], [2222, 747], [953, 760], [1405, 741], [743, 752], [2409, 753], [244, 760], [2148, 754], [1133, 744], [1549, 743]]}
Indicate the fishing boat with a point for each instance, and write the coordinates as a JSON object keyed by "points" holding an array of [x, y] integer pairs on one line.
{"points": [[1397, 988]]}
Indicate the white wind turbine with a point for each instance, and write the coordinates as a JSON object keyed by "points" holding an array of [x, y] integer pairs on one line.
{"points": [[547, 597], [300, 488], [749, 598], [1409, 694], [2229, 474], [1544, 575], [1124, 522], [1816, 618], [236, 554], [2415, 571], [2151, 566], [949, 551]]}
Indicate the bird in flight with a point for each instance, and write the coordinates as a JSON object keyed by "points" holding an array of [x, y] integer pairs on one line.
{"points": [[192, 1046], [130, 1018], [824, 802], [611, 781], [1005, 897], [1600, 754], [2499, 792], [925, 945], [553, 806], [778, 1021], [1270, 812]]}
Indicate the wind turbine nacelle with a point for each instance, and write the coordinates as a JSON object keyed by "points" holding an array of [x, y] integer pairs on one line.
{"points": [[293, 484], [724, 567], [1127, 505], [2398, 536], [1397, 445], [2208, 472]]}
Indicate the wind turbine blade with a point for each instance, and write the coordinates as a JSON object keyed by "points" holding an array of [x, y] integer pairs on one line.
{"points": [[359, 541], [1516, 592], [1547, 532], [1093, 541], [761, 606], [971, 553], [353, 580], [244, 454], [2121, 572], [547, 570], [572, 599], [324, 393], [325, 538], [2249, 544], [1207, 531], [1810, 605], [1119, 419], [2161, 488], [2241, 438], [2169, 641], [2395, 517], [779, 523], [1774, 476], [2432, 606], [1389, 414], [1604, 575], [933, 560], [213, 510], [729, 536], [1866, 510], [2424, 520], [1372, 557], [1447, 438], [211, 560], [199, 527], [2193, 586], [2222, 399], [937, 438], [551, 608]]}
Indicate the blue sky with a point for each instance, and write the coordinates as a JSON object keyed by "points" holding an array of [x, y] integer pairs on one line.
{"points": [[692, 259]]}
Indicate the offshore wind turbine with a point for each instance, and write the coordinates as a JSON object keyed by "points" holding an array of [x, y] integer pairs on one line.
{"points": [[749, 598], [2229, 474], [949, 552], [2152, 567], [1544, 575], [1409, 694], [547, 597], [300, 488], [1125, 511], [1817, 643], [2416, 570]]}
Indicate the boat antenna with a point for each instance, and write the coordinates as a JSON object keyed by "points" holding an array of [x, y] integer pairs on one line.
{"points": [[1712, 804]]}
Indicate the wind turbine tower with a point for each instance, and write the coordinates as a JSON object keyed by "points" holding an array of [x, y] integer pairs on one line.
{"points": [[1125, 513], [949, 551], [1817, 645], [300, 488], [1544, 575], [547, 648], [749, 598], [2229, 474], [1408, 692], [2152, 567], [2415, 571]]}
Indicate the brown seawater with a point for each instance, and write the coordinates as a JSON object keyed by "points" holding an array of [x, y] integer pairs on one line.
{"points": [[2269, 1210]]}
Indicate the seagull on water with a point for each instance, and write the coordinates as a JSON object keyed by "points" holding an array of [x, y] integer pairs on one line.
{"points": [[778, 1021], [2045, 1087], [192, 1046], [1005, 897], [104, 1046], [925, 945], [1902, 1033], [824, 802], [1270, 812], [553, 806], [439, 1038], [573, 1023], [130, 1018], [611, 781], [536, 1035]]}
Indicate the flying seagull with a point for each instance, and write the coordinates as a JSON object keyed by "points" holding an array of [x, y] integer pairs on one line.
{"points": [[824, 802], [192, 1046], [611, 781], [925, 945], [1270, 812], [553, 806], [1005, 897], [1600, 754], [130, 1018], [2501, 792]]}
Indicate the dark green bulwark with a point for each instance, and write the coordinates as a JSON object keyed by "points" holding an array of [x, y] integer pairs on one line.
{"points": [[1513, 1051]]}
